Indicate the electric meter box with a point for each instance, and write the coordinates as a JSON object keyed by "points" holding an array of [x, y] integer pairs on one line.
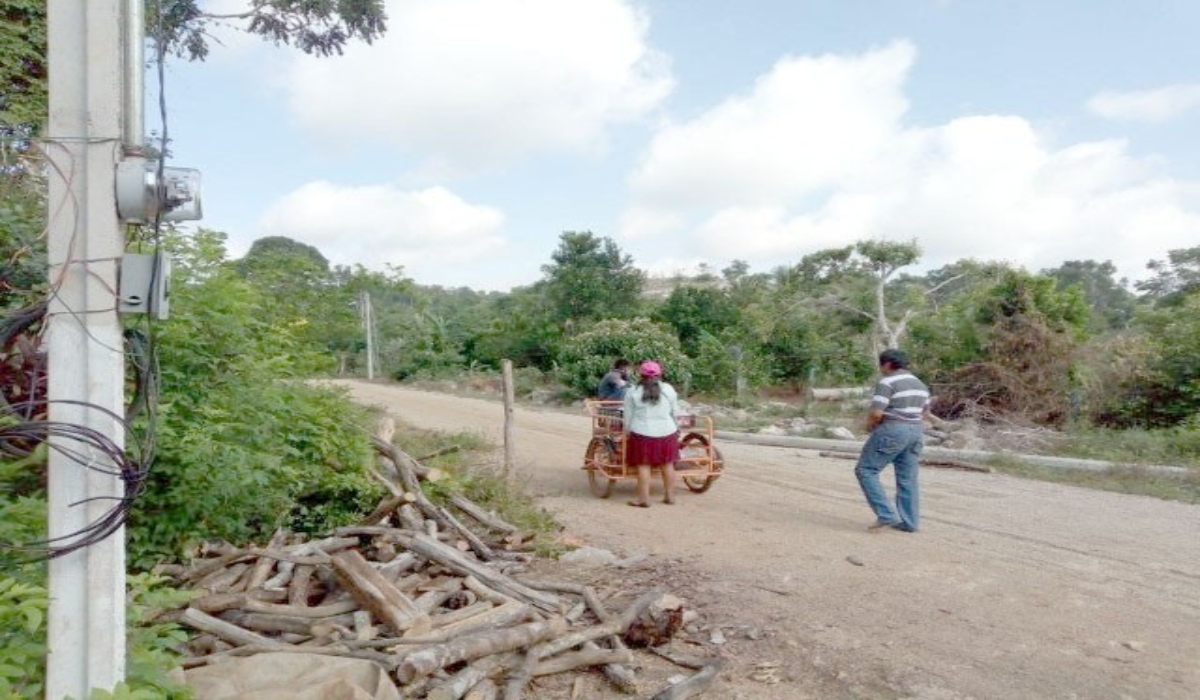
{"points": [[145, 282]]}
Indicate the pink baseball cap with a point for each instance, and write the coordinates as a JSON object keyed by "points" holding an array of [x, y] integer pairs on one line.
{"points": [[650, 368]]}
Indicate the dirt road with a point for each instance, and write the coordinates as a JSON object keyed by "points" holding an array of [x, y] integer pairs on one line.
{"points": [[1013, 589]]}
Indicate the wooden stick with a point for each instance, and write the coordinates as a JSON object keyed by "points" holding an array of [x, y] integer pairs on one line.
{"points": [[382, 659], [455, 561], [510, 440], [264, 565], [577, 659], [229, 632], [486, 690], [376, 593], [458, 685], [607, 629], [425, 661], [484, 517], [330, 610], [263, 622], [385, 508], [477, 545], [301, 585], [696, 684]]}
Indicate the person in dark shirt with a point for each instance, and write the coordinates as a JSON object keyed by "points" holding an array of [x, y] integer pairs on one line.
{"points": [[613, 384]]}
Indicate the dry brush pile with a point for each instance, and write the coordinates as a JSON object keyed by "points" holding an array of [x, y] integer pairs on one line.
{"points": [[442, 608]]}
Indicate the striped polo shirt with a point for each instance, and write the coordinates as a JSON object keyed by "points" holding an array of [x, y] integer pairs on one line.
{"points": [[901, 397]]}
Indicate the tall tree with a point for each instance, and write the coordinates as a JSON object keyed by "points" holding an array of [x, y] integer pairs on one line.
{"points": [[1111, 302], [694, 311], [318, 27], [857, 280], [590, 278], [1174, 278]]}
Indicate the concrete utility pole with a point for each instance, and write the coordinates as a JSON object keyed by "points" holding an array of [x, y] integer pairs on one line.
{"points": [[86, 359]]}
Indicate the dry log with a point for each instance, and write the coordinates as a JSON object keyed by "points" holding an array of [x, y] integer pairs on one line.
{"points": [[458, 685], [405, 462], [378, 531], [384, 660], [396, 567], [299, 591], [579, 659], [449, 618], [312, 613], [413, 581], [477, 545], [229, 632], [375, 593], [472, 584], [484, 517], [500, 616], [619, 675], [282, 577], [454, 560], [425, 661], [429, 601], [385, 508], [264, 622], [612, 627], [692, 662], [696, 684], [363, 629], [486, 690], [222, 579], [218, 602], [410, 518], [264, 566], [328, 545]]}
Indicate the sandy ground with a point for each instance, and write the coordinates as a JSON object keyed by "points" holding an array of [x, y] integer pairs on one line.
{"points": [[1013, 588]]}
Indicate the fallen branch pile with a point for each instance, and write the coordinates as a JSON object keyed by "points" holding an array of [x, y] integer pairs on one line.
{"points": [[413, 589]]}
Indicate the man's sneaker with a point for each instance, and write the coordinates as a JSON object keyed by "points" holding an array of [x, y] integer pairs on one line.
{"points": [[881, 524]]}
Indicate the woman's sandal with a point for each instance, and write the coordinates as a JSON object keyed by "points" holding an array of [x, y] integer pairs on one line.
{"points": [[639, 504], [669, 501]]}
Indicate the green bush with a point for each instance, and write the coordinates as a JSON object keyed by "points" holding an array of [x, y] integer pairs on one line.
{"points": [[586, 356], [150, 649]]}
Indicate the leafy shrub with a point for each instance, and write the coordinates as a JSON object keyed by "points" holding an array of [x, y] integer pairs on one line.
{"points": [[151, 644], [587, 355]]}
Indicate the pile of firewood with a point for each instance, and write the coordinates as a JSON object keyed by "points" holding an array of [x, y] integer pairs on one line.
{"points": [[440, 606]]}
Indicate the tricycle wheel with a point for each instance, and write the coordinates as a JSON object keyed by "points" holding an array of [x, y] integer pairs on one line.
{"points": [[697, 445], [599, 453]]}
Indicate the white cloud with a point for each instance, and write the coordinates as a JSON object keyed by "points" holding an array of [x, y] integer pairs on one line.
{"points": [[818, 155], [419, 230], [808, 122], [1150, 106], [475, 83]]}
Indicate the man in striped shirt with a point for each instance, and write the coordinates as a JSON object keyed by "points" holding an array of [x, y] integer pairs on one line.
{"points": [[899, 405]]}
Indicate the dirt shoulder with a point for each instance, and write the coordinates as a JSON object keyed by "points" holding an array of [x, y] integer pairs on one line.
{"points": [[1013, 589]]}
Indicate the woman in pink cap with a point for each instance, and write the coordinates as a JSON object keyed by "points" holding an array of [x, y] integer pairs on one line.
{"points": [[651, 434]]}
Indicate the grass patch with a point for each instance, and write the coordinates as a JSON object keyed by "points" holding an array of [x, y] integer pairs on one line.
{"points": [[1179, 446], [1127, 479]]}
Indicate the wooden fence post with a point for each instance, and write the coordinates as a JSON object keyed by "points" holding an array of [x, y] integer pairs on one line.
{"points": [[510, 447]]}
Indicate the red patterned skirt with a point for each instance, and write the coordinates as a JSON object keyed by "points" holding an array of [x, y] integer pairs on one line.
{"points": [[655, 451]]}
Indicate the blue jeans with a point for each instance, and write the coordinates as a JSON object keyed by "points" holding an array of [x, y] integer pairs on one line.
{"points": [[898, 443]]}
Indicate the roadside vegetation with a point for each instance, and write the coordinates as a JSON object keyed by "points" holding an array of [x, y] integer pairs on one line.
{"points": [[242, 443]]}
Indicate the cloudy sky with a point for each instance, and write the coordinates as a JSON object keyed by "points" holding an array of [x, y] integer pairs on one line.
{"points": [[465, 142]]}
